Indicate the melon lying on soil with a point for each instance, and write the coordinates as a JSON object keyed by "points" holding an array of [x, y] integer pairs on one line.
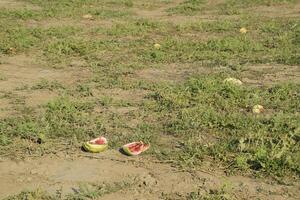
{"points": [[233, 81], [135, 148], [96, 145]]}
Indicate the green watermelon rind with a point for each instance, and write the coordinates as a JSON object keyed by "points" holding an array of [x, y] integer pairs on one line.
{"points": [[94, 148], [128, 152]]}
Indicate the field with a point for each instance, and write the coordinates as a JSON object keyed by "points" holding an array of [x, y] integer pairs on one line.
{"points": [[131, 70]]}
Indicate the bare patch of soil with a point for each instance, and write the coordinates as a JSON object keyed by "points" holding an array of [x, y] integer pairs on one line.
{"points": [[5, 108], [271, 74], [123, 110], [158, 11], [39, 97], [133, 95], [285, 10], [52, 174], [171, 73], [153, 179], [83, 23], [161, 13], [11, 4], [21, 70]]}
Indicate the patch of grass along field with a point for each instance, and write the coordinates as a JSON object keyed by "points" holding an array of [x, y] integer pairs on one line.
{"points": [[201, 108], [223, 193], [102, 10], [205, 107], [75, 121], [266, 41], [232, 7], [62, 118], [189, 7], [272, 46], [85, 191]]}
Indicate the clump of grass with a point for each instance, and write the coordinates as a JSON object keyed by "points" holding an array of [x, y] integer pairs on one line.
{"points": [[232, 7], [92, 191], [68, 119], [84, 90], [62, 118], [19, 39], [108, 14], [267, 143], [22, 14], [220, 194], [137, 28], [57, 51], [85, 191], [219, 26], [273, 46], [218, 51], [127, 3], [49, 85], [34, 195], [3, 77], [188, 7]]}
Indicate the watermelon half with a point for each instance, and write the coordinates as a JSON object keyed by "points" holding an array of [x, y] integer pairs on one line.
{"points": [[135, 148], [96, 145]]}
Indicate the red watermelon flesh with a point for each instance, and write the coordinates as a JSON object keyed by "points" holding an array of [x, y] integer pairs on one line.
{"points": [[99, 141], [136, 148]]}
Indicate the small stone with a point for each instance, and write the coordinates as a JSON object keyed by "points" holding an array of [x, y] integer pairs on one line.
{"points": [[34, 172], [149, 180], [21, 179], [87, 16], [78, 63]]}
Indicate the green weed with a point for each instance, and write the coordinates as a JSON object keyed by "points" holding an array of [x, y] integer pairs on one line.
{"points": [[22, 14], [138, 28], [18, 39], [266, 143], [3, 77], [84, 192], [49, 85], [232, 7], [62, 118], [189, 7]]}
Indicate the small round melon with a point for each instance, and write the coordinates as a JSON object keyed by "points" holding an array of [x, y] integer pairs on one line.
{"points": [[258, 109], [157, 46], [233, 81], [243, 30]]}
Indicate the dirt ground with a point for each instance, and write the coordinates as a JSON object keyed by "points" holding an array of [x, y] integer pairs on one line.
{"points": [[152, 178]]}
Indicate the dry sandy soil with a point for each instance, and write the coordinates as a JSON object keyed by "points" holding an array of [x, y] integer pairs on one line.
{"points": [[153, 179]]}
